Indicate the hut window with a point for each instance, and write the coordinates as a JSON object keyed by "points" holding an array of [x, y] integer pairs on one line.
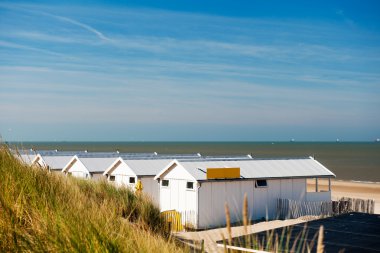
{"points": [[261, 183], [112, 178], [190, 185], [132, 180], [165, 183], [70, 173]]}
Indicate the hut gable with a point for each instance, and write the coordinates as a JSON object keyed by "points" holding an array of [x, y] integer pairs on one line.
{"points": [[175, 170], [119, 167]]}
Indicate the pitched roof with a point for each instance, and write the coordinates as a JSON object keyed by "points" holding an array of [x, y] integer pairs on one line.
{"points": [[97, 164], [147, 167], [56, 162], [259, 168], [26, 158]]}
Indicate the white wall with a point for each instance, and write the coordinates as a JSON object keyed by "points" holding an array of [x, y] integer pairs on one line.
{"points": [[97, 176], [122, 174], [213, 196], [176, 196], [151, 188], [262, 202], [79, 170]]}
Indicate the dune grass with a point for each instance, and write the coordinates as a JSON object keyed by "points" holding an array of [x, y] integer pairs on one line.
{"points": [[272, 242], [43, 211]]}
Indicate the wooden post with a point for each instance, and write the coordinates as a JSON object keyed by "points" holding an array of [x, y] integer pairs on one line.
{"points": [[316, 184], [329, 184]]}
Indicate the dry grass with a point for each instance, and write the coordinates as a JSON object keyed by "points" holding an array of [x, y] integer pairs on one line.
{"points": [[272, 242], [41, 211]]}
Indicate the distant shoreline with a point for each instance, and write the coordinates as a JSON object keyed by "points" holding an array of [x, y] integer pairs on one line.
{"points": [[359, 182], [147, 142]]}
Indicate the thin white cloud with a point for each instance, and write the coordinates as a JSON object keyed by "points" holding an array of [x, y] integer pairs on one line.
{"points": [[89, 28], [40, 36], [19, 46], [36, 9]]}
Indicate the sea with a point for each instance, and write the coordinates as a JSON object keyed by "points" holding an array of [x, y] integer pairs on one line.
{"points": [[354, 161]]}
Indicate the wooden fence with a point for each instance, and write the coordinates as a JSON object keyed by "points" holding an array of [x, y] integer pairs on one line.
{"points": [[291, 209], [345, 205]]}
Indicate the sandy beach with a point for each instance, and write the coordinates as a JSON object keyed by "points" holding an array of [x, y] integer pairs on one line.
{"points": [[357, 190], [352, 189]]}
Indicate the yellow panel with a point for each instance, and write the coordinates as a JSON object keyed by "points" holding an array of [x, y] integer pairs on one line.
{"points": [[213, 173], [173, 220]]}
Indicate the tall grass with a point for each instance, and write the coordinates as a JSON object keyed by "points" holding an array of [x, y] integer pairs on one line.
{"points": [[41, 211], [272, 242]]}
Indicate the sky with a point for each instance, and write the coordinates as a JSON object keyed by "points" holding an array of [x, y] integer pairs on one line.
{"points": [[189, 70]]}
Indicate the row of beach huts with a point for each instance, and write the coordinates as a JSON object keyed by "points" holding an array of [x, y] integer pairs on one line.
{"points": [[194, 185]]}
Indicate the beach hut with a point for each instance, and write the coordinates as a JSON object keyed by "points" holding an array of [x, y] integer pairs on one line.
{"points": [[54, 163], [87, 167], [24, 156], [126, 172], [203, 187]]}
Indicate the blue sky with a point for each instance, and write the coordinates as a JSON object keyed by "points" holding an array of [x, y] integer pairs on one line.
{"points": [[189, 70]]}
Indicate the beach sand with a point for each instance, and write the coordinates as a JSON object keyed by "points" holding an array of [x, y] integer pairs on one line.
{"points": [[359, 190]]}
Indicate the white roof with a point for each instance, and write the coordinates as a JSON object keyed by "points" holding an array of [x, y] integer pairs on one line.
{"points": [[147, 167], [256, 168], [26, 158], [97, 164], [56, 162]]}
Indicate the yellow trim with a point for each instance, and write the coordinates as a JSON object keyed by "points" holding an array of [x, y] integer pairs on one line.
{"points": [[214, 173], [173, 220]]}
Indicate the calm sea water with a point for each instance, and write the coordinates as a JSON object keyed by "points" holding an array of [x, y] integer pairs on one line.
{"points": [[348, 160]]}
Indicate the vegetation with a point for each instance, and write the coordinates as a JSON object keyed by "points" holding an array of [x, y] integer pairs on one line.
{"points": [[43, 211], [272, 242]]}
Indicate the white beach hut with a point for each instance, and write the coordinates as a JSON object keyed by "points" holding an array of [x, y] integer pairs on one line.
{"points": [[88, 167], [25, 157], [54, 163], [126, 172], [203, 187]]}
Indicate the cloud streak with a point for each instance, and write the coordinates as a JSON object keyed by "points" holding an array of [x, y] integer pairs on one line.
{"points": [[91, 29]]}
